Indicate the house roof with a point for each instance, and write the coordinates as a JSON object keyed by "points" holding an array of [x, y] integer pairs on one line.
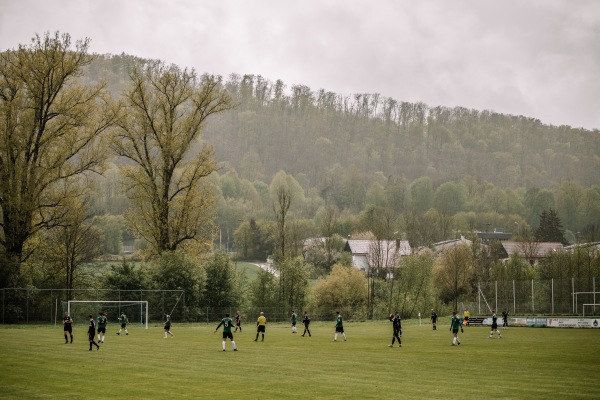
{"points": [[531, 249], [583, 246], [451, 243], [358, 246]]}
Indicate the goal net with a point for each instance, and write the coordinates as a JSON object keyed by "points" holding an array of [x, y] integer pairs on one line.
{"points": [[135, 310], [591, 309]]}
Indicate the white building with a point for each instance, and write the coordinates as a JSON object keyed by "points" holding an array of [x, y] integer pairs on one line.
{"points": [[368, 254]]}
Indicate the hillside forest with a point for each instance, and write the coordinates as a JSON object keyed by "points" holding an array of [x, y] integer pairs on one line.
{"points": [[144, 159], [365, 152]]}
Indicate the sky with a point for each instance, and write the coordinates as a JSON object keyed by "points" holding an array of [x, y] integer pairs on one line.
{"points": [[537, 58]]}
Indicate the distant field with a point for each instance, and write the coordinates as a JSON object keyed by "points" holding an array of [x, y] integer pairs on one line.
{"points": [[527, 363], [250, 269]]}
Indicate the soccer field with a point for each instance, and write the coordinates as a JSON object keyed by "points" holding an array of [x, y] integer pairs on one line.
{"points": [[526, 363]]}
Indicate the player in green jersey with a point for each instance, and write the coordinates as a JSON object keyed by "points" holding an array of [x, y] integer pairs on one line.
{"points": [[455, 325], [294, 320], [495, 326], [339, 326], [227, 324], [102, 321], [168, 326], [124, 321]]}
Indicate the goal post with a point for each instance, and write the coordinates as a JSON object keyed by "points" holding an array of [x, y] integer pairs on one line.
{"points": [[594, 305], [135, 309]]}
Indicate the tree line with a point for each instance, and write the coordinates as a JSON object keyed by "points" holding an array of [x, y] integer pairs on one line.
{"points": [[99, 152]]}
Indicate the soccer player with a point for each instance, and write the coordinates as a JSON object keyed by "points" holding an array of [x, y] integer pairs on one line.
{"points": [[227, 324], [92, 333], [495, 326], [433, 319], [455, 325], [124, 321], [261, 326], [294, 320], [102, 321], [306, 322], [466, 315], [505, 318], [397, 324], [68, 327], [168, 325], [339, 327], [238, 322]]}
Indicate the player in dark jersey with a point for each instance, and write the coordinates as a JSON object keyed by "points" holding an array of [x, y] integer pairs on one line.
{"points": [[397, 324], [495, 326], [102, 321], [434, 318], [227, 324], [68, 327], [306, 322], [238, 322], [505, 318], [339, 327], [92, 333], [455, 325]]}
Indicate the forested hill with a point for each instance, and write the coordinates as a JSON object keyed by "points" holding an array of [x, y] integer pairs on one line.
{"points": [[326, 137], [316, 132]]}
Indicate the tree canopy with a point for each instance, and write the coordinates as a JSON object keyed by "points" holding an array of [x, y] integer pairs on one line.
{"points": [[164, 112]]}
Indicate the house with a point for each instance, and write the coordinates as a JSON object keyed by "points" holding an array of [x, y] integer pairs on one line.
{"points": [[447, 244], [497, 234], [368, 254], [583, 246], [530, 251]]}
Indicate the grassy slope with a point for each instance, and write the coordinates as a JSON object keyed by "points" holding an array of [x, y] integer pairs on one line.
{"points": [[250, 269], [527, 363]]}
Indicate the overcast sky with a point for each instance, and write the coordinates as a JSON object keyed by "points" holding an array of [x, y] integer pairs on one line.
{"points": [[538, 58]]}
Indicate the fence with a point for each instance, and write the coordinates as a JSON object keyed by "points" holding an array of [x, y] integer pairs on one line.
{"points": [[552, 297], [539, 297], [27, 305]]}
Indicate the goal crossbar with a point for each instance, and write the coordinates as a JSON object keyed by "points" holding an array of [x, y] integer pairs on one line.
{"points": [[124, 302]]}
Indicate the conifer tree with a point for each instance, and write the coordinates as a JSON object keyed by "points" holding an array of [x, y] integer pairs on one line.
{"points": [[550, 228]]}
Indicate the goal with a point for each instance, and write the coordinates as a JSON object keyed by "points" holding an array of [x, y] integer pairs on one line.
{"points": [[135, 310], [592, 306]]}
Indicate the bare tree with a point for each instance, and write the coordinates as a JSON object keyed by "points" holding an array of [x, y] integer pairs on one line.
{"points": [[281, 208], [327, 224], [453, 272], [72, 243]]}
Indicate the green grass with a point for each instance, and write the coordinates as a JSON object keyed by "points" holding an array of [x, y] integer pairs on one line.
{"points": [[527, 363], [250, 269]]}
